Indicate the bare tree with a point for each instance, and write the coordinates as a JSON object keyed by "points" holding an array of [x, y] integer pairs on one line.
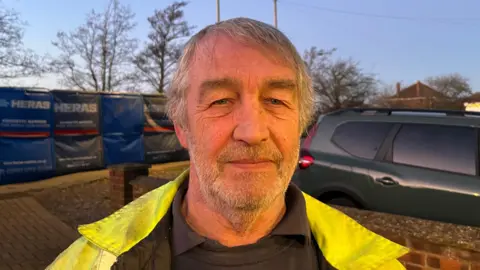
{"points": [[157, 60], [97, 55], [383, 96], [338, 83], [453, 86], [15, 60]]}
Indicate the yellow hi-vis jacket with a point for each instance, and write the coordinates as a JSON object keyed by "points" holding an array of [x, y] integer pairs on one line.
{"points": [[344, 243]]}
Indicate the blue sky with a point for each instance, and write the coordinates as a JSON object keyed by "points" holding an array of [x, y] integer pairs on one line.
{"points": [[402, 49]]}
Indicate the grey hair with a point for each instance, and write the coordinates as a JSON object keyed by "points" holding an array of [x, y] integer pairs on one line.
{"points": [[252, 32]]}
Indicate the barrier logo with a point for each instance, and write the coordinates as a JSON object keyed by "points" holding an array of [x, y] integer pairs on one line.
{"points": [[30, 104], [76, 107]]}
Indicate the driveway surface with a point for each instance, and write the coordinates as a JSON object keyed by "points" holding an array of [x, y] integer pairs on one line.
{"points": [[31, 237]]}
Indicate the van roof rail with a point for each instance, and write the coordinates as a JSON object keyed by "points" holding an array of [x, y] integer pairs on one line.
{"points": [[390, 111]]}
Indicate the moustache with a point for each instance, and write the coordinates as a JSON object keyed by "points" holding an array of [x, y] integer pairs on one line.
{"points": [[257, 153]]}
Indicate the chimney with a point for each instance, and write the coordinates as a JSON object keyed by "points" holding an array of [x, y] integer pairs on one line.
{"points": [[418, 88], [398, 88]]}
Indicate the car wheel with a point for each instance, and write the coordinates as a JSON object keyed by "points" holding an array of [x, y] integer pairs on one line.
{"points": [[342, 201]]}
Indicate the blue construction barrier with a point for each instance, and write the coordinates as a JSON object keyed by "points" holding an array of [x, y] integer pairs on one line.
{"points": [[25, 159], [47, 133], [162, 147], [155, 118], [25, 112], [76, 112], [123, 148], [122, 114], [78, 153]]}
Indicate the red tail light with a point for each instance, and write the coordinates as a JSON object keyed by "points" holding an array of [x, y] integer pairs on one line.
{"points": [[309, 138], [305, 162]]}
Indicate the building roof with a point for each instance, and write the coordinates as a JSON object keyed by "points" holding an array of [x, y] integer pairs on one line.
{"points": [[417, 90]]}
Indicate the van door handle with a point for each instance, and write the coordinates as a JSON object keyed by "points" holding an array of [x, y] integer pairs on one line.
{"points": [[386, 181]]}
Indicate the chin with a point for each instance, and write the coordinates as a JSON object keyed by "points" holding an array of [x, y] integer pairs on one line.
{"points": [[254, 178], [249, 188]]}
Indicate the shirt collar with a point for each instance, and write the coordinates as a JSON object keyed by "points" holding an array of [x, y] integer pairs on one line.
{"points": [[184, 238], [293, 223]]}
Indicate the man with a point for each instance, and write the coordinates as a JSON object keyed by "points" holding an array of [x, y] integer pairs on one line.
{"points": [[240, 100]]}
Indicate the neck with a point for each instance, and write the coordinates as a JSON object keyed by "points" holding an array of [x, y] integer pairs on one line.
{"points": [[230, 227]]}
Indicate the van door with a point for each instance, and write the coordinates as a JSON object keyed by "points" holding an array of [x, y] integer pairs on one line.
{"points": [[429, 171]]}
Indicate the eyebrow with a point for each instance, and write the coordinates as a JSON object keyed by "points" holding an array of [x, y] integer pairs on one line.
{"points": [[279, 83], [221, 83], [234, 84], [226, 82]]}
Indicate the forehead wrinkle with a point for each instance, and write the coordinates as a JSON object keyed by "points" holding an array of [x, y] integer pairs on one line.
{"points": [[274, 54], [206, 50]]}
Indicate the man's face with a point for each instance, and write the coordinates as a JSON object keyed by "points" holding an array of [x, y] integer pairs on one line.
{"points": [[243, 124]]}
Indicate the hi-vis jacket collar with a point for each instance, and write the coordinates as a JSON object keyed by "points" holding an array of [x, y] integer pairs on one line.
{"points": [[344, 243]]}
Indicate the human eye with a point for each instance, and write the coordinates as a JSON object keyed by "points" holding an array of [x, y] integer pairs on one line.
{"points": [[223, 101], [274, 101]]}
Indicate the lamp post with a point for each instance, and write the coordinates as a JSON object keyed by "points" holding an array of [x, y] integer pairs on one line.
{"points": [[275, 19], [218, 11]]}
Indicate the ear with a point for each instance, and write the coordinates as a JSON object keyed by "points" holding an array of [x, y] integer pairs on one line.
{"points": [[181, 135]]}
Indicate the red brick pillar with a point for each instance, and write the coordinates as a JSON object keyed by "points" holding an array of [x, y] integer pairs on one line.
{"points": [[143, 185], [121, 192]]}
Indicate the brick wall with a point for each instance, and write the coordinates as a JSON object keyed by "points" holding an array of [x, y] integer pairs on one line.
{"points": [[427, 255], [130, 181], [121, 192], [144, 184]]}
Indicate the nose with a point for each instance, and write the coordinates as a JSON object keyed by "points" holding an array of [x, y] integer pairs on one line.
{"points": [[251, 123]]}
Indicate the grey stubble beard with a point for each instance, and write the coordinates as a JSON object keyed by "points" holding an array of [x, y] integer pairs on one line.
{"points": [[236, 206]]}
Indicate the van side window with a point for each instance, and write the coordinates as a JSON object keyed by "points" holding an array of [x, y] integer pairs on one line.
{"points": [[446, 148], [361, 139]]}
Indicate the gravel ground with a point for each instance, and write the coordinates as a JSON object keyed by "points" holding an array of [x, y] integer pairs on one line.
{"points": [[434, 232], [84, 203]]}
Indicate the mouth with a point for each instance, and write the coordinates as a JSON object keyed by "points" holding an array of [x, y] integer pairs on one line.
{"points": [[250, 161], [250, 164]]}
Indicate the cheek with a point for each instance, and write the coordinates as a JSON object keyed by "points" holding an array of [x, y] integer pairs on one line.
{"points": [[286, 134], [211, 134]]}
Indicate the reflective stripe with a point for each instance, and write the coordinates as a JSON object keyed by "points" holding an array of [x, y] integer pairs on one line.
{"points": [[107, 260]]}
